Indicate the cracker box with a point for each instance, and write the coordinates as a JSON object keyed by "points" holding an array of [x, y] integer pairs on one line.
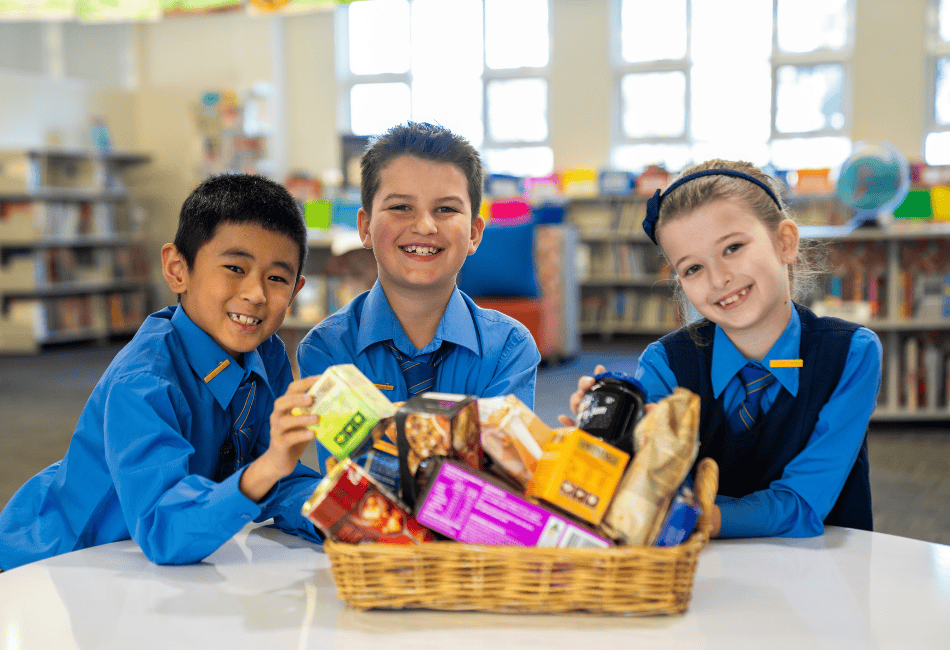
{"points": [[349, 506], [436, 424], [512, 435], [349, 406], [469, 506], [579, 474]]}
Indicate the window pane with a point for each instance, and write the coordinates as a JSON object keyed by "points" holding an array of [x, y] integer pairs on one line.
{"points": [[757, 153], [453, 103], [719, 35], [22, 47], [429, 21], [937, 148], [731, 104], [942, 91], [654, 104], [523, 161], [808, 99], [636, 157], [945, 20], [374, 108], [516, 33], [518, 110], [652, 31], [378, 36], [807, 25], [807, 153]]}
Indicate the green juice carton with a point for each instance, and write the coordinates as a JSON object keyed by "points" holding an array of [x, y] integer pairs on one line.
{"points": [[349, 406]]}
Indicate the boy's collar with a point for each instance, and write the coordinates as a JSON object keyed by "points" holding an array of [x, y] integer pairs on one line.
{"points": [[727, 361], [456, 325], [216, 368]]}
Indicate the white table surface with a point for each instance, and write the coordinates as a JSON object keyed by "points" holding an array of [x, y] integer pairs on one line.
{"points": [[266, 589]]}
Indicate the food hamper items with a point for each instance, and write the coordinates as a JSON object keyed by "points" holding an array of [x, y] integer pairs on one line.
{"points": [[472, 472]]}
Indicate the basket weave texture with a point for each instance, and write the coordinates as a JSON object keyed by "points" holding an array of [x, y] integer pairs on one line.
{"points": [[633, 580]]}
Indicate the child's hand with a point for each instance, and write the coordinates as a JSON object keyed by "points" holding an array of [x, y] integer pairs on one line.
{"points": [[583, 385], [289, 437]]}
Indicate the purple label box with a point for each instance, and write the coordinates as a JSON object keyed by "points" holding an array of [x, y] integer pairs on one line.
{"points": [[467, 508]]}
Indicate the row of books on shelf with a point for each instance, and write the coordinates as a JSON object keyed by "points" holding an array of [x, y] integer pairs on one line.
{"points": [[624, 218], [322, 295], [862, 296], [33, 171], [619, 260], [628, 308], [28, 269], [925, 374], [31, 220], [46, 318]]}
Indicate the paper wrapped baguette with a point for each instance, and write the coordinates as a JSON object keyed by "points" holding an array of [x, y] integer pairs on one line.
{"points": [[667, 440]]}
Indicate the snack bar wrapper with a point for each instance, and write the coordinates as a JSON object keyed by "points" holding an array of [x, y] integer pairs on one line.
{"points": [[349, 406], [512, 436], [436, 424], [471, 506], [668, 443], [349, 506]]}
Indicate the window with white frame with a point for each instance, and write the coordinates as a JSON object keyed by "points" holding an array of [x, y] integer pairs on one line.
{"points": [[477, 67], [766, 82], [937, 141]]}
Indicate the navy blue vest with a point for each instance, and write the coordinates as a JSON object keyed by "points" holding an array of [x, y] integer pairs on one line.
{"points": [[750, 462]]}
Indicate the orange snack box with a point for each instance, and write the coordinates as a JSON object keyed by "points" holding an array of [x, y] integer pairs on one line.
{"points": [[578, 473]]}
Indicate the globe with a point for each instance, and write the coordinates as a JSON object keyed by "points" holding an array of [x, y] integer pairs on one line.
{"points": [[874, 179]]}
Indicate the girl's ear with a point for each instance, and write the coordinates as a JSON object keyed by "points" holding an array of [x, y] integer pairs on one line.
{"points": [[787, 241]]}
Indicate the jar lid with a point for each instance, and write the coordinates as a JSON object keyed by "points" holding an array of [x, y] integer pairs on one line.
{"points": [[624, 377]]}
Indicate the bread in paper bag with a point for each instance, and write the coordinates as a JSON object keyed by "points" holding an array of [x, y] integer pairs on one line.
{"points": [[667, 440]]}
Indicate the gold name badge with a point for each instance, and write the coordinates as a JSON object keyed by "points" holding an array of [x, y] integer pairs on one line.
{"points": [[785, 363], [384, 386]]}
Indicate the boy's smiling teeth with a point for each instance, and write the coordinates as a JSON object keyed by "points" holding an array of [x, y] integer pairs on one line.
{"points": [[416, 249], [244, 320], [734, 297]]}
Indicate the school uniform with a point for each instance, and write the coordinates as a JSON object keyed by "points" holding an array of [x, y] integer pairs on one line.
{"points": [[480, 351], [804, 464], [146, 453]]}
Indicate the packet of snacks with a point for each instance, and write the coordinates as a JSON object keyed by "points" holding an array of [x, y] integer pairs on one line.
{"points": [[512, 436], [667, 440], [436, 424], [349, 406], [349, 506]]}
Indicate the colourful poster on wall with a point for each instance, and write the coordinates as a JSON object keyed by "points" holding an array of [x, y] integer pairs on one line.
{"points": [[112, 11], [37, 9], [264, 7], [179, 7]]}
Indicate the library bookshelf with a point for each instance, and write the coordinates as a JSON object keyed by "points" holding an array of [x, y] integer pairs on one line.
{"points": [[72, 252], [895, 279]]}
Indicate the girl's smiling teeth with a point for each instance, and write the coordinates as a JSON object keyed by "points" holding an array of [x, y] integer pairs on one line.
{"points": [[419, 249], [244, 320], [733, 298]]}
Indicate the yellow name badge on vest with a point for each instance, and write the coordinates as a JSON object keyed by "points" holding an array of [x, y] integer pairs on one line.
{"points": [[785, 363], [384, 386]]}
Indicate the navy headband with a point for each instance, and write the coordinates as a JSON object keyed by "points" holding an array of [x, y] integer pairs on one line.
{"points": [[653, 205]]}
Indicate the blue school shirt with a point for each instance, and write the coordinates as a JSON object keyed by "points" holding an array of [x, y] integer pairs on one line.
{"points": [[796, 504], [488, 354], [146, 450]]}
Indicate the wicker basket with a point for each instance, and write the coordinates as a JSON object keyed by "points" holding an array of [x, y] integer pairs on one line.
{"points": [[452, 576]]}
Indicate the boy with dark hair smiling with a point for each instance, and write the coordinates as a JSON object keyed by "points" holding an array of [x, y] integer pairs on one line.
{"points": [[189, 435], [415, 331]]}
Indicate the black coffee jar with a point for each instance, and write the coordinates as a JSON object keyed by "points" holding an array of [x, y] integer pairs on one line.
{"points": [[611, 409]]}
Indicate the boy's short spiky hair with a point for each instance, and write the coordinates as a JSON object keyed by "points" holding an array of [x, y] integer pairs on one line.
{"points": [[238, 198], [425, 141]]}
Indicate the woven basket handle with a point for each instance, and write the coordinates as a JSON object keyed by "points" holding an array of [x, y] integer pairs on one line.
{"points": [[705, 487]]}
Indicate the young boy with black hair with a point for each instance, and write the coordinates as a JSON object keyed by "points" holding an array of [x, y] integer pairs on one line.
{"points": [[415, 331], [189, 435]]}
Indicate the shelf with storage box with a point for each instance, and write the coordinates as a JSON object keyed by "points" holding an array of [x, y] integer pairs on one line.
{"points": [[72, 248], [895, 279], [626, 287]]}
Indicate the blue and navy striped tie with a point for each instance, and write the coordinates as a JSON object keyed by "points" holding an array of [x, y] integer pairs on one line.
{"points": [[754, 380], [419, 371]]}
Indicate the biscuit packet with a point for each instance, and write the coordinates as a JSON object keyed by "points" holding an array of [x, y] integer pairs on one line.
{"points": [[667, 445], [512, 436], [436, 424]]}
